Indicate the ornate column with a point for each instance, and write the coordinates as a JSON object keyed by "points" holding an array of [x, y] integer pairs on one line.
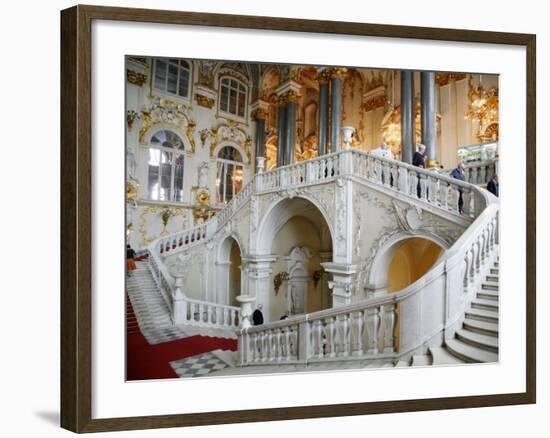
{"points": [[281, 138], [427, 102], [288, 93], [342, 275], [290, 130], [323, 124], [259, 113], [259, 274], [407, 116], [337, 78]]}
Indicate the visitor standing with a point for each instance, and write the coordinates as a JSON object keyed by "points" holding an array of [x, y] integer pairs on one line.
{"points": [[418, 161], [492, 185], [258, 316], [458, 173], [130, 260]]}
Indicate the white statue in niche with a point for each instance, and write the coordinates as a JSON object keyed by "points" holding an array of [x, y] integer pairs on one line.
{"points": [[297, 279], [203, 175]]}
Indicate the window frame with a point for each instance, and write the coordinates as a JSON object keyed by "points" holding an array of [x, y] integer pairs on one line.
{"points": [[165, 90], [221, 199], [175, 154], [228, 114]]}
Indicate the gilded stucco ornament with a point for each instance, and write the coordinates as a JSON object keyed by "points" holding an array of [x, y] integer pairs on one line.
{"points": [[136, 78], [165, 112], [204, 101], [229, 132]]}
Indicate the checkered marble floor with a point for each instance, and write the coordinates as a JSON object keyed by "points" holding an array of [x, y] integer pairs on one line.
{"points": [[199, 365]]}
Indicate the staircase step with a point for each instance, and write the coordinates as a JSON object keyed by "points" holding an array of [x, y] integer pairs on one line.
{"points": [[479, 303], [492, 278], [485, 342], [402, 364], [487, 295], [482, 315], [481, 327], [494, 271], [421, 360], [442, 357], [470, 353], [489, 285], [496, 265]]}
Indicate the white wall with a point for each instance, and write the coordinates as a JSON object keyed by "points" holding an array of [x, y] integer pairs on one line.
{"points": [[30, 287]]}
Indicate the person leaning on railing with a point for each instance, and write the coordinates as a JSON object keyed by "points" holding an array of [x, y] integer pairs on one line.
{"points": [[458, 173], [492, 185], [418, 161]]}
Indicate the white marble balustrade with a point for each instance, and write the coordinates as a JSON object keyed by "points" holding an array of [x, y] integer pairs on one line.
{"points": [[366, 330]]}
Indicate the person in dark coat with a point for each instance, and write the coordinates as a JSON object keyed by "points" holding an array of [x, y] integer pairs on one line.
{"points": [[419, 157], [130, 260], [258, 316], [418, 161], [458, 173], [492, 185]]}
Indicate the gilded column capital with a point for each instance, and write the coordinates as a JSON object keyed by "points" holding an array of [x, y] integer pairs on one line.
{"points": [[338, 72], [289, 96], [260, 109], [323, 76]]}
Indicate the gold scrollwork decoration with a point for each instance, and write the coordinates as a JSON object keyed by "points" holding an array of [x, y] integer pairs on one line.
{"points": [[136, 78]]}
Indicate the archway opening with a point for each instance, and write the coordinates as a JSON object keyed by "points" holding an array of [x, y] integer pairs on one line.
{"points": [[411, 259], [228, 272], [296, 232], [234, 273]]}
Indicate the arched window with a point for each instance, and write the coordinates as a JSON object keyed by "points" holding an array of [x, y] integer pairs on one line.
{"points": [[172, 76], [233, 97], [165, 167], [229, 176]]}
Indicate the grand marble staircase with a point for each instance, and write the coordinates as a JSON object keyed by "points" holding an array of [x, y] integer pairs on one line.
{"points": [[461, 288]]}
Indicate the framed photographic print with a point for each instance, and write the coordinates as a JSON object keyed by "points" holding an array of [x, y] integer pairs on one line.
{"points": [[342, 214]]}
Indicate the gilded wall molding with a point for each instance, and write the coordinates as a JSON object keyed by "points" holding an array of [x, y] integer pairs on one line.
{"points": [[135, 78]]}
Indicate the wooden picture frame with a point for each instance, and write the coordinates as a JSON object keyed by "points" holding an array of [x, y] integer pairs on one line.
{"points": [[76, 218]]}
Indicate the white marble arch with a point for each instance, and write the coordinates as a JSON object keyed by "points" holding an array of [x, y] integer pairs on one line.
{"points": [[222, 268], [378, 273], [233, 144], [280, 212], [167, 127]]}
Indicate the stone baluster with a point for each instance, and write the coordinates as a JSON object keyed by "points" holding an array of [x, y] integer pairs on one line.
{"points": [[357, 333], [373, 330], [317, 333], [432, 181], [403, 181], [386, 174], [294, 342], [330, 168], [254, 347], [329, 337], [455, 196], [209, 314], [201, 313], [423, 188], [219, 321], [390, 318], [342, 332], [286, 344], [413, 183], [394, 174]]}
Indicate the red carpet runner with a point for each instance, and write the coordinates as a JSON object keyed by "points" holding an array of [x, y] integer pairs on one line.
{"points": [[145, 361]]}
